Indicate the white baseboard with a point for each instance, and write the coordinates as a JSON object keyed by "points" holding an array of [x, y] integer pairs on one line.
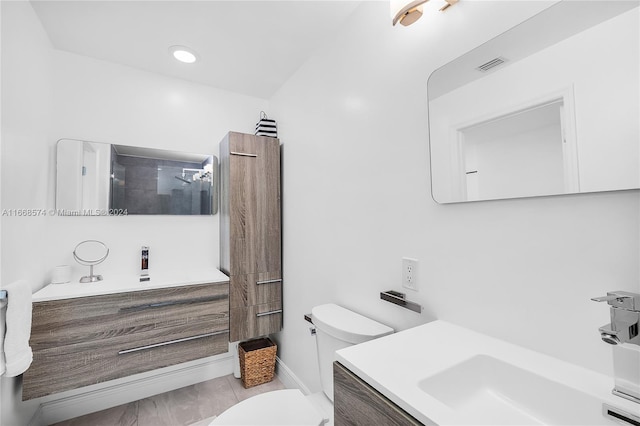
{"points": [[288, 378], [122, 391]]}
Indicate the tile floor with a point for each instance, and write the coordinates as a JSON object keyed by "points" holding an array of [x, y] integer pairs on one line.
{"points": [[193, 405]]}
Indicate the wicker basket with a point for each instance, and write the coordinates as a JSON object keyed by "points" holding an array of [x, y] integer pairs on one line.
{"points": [[257, 361]]}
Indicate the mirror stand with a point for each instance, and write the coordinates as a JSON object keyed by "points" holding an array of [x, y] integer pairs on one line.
{"points": [[91, 278], [92, 253]]}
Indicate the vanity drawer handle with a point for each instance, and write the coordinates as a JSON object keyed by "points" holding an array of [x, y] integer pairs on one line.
{"points": [[173, 302], [243, 154], [264, 314], [171, 342], [279, 280]]}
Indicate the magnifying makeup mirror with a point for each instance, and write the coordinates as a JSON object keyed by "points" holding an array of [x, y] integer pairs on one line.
{"points": [[90, 253]]}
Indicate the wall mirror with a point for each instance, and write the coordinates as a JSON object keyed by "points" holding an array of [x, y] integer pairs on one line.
{"points": [[96, 178], [549, 107]]}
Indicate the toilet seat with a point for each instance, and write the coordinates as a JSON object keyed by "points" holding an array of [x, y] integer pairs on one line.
{"points": [[281, 407]]}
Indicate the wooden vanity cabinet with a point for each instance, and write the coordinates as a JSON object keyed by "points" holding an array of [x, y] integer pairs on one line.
{"points": [[87, 340], [356, 403], [250, 233]]}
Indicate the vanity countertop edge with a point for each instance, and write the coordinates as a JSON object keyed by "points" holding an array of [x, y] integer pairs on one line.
{"points": [[128, 283]]}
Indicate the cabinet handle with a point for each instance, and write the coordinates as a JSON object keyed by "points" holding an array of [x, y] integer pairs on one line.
{"points": [[173, 302], [279, 280], [243, 154], [171, 342], [264, 314]]}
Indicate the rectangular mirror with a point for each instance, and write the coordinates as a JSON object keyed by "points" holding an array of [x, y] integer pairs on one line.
{"points": [[96, 178], [549, 107]]}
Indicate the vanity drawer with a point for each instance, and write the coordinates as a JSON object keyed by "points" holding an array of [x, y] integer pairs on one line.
{"points": [[88, 340], [131, 323], [255, 289], [69, 367], [254, 321], [72, 312]]}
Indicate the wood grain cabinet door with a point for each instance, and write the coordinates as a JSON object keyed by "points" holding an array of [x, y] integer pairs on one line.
{"points": [[254, 321], [255, 289], [355, 403], [254, 204], [250, 233]]}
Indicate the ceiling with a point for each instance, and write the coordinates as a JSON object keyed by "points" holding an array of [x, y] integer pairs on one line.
{"points": [[247, 47]]}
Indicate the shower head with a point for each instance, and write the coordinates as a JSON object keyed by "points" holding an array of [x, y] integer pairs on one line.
{"points": [[183, 179]]}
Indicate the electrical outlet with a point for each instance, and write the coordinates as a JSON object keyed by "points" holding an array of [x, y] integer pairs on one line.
{"points": [[410, 273]]}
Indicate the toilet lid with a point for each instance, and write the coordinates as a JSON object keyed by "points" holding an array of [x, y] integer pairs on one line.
{"points": [[281, 407], [347, 325]]}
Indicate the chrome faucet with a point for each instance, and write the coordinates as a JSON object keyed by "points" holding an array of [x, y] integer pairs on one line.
{"points": [[623, 329], [625, 317]]}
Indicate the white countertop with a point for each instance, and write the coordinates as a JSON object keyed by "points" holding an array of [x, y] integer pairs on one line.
{"points": [[395, 365], [120, 284]]}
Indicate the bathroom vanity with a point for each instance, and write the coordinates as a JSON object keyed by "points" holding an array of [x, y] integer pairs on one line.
{"points": [[83, 334], [445, 374]]}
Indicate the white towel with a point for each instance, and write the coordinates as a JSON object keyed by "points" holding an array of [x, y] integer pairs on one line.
{"points": [[3, 309], [17, 353]]}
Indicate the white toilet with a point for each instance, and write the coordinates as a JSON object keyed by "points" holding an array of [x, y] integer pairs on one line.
{"points": [[336, 328]]}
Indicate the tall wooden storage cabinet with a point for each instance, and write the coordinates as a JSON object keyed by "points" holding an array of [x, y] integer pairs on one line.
{"points": [[250, 233]]}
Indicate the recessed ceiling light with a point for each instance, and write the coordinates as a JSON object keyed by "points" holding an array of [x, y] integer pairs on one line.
{"points": [[183, 54]]}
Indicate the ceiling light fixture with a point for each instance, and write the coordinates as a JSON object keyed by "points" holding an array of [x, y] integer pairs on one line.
{"points": [[407, 12], [183, 54]]}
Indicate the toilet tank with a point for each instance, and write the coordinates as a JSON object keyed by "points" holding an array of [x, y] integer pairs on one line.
{"points": [[338, 328]]}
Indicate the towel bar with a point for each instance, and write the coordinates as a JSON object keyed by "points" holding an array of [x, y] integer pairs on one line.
{"points": [[399, 299]]}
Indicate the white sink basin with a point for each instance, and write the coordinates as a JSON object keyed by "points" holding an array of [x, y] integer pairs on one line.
{"points": [[443, 374], [494, 392]]}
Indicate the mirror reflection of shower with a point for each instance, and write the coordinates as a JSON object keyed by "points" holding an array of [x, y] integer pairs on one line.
{"points": [[182, 179], [101, 177], [203, 175], [155, 184]]}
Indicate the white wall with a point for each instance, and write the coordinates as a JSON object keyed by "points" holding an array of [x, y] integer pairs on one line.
{"points": [[105, 102], [48, 95], [353, 121], [26, 122], [26, 99]]}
